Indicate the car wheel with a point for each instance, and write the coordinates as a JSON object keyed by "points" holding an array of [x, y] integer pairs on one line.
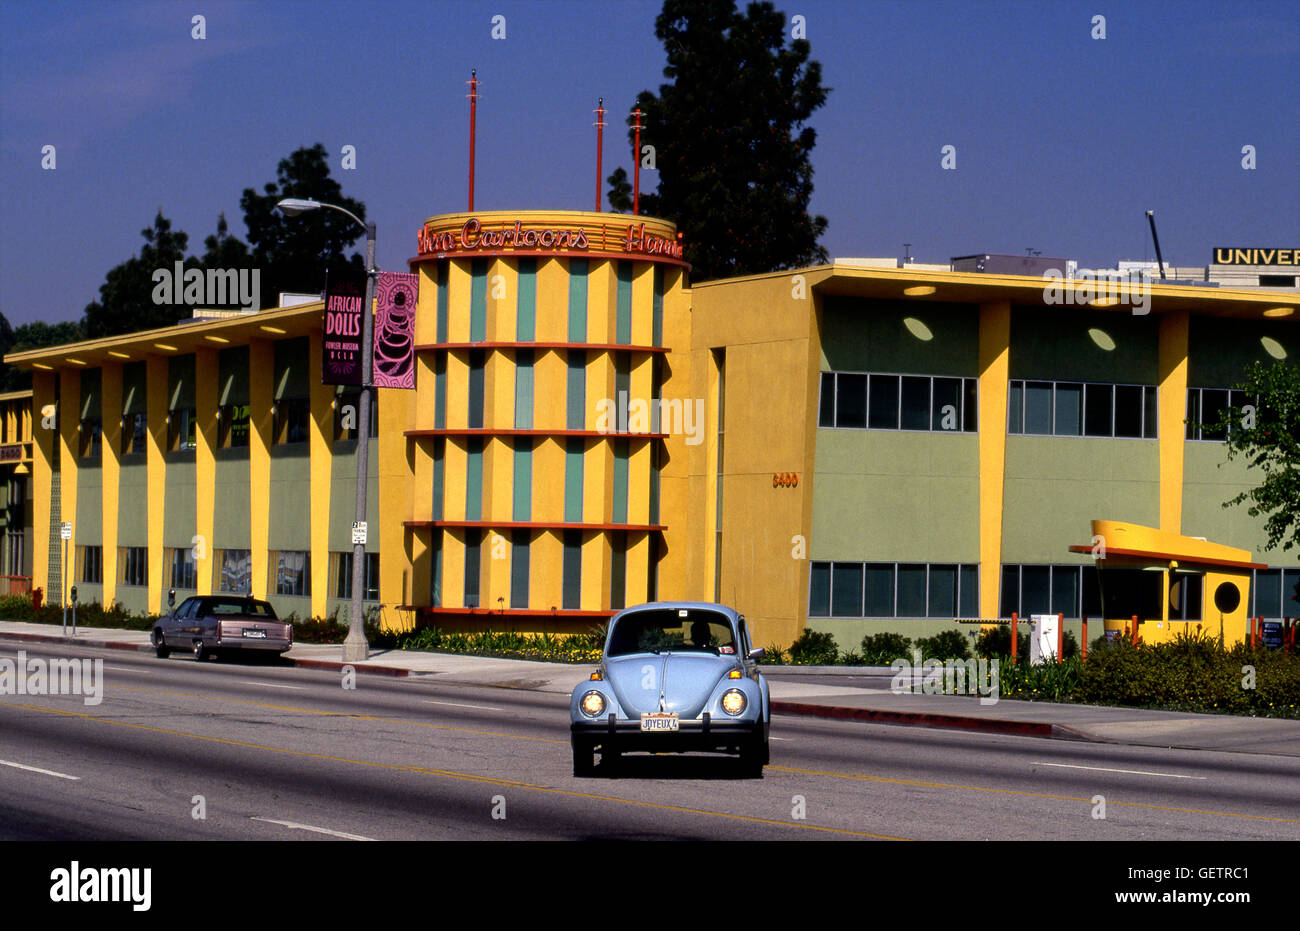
{"points": [[753, 756], [160, 648], [584, 758], [201, 652], [610, 758]]}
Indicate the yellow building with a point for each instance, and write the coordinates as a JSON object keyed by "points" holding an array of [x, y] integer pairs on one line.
{"points": [[851, 447]]}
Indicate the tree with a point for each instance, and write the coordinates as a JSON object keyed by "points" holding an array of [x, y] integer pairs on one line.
{"points": [[731, 147], [297, 253], [35, 335], [620, 191], [1266, 431], [126, 298]]}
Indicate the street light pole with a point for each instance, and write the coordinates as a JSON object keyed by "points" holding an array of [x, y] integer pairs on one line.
{"points": [[355, 647]]}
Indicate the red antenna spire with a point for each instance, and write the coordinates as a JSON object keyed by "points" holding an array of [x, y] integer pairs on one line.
{"points": [[600, 144], [473, 112], [636, 163]]}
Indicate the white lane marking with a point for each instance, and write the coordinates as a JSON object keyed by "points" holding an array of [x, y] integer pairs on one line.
{"points": [[1131, 772], [430, 701], [778, 738], [37, 769], [295, 826], [273, 685]]}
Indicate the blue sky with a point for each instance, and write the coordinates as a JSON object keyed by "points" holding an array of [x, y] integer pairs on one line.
{"points": [[1062, 141]]}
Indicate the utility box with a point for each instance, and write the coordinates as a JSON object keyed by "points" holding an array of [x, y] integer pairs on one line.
{"points": [[1042, 638]]}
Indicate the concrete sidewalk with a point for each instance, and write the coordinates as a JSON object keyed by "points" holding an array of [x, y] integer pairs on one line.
{"points": [[862, 700]]}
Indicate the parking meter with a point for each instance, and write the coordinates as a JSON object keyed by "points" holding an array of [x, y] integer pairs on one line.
{"points": [[171, 600], [73, 595]]}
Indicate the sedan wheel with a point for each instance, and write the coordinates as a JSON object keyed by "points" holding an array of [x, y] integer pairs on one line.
{"points": [[160, 648], [584, 758], [753, 756], [201, 652]]}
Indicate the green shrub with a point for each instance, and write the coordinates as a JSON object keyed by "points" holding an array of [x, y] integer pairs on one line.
{"points": [[773, 655], [883, 649], [814, 648], [950, 644]]}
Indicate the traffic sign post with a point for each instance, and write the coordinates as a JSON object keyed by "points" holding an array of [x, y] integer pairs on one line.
{"points": [[65, 533]]}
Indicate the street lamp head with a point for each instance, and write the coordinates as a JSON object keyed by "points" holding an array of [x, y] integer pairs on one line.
{"points": [[292, 206]]}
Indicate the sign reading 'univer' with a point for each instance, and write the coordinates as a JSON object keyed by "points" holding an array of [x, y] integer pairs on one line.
{"points": [[341, 347], [1224, 256]]}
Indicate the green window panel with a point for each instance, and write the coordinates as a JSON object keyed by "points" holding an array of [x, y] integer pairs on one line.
{"points": [[623, 304], [478, 301], [578, 270], [474, 479], [618, 572], [658, 320], [442, 302], [571, 596], [473, 559], [620, 481], [523, 479], [519, 569], [576, 394], [477, 363], [526, 310], [573, 480], [439, 468], [524, 389]]}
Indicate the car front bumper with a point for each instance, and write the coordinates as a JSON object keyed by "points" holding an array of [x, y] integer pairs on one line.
{"points": [[704, 733]]}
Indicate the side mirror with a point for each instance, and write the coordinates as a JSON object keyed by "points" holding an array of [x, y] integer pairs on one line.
{"points": [[171, 598], [757, 653]]}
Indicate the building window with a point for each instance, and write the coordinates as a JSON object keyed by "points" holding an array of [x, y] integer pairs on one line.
{"points": [[233, 425], [906, 590], [576, 395], [571, 591], [292, 416], [1205, 407], [1275, 593], [519, 569], [1068, 590], [181, 424], [473, 556], [134, 429], [341, 572], [292, 573], [347, 414], [90, 564], [1046, 408], [133, 565], [181, 572], [91, 434], [477, 361], [931, 403], [618, 572], [234, 571]]}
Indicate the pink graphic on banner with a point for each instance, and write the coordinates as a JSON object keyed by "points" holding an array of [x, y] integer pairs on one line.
{"points": [[395, 330]]}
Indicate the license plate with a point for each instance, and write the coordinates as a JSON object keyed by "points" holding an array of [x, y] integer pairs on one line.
{"points": [[255, 632], [658, 721]]}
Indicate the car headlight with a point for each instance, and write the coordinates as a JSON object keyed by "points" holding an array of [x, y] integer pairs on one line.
{"points": [[592, 704], [733, 701]]}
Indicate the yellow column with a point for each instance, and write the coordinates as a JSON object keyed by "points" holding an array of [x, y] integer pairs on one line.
{"points": [[550, 389], [43, 441], [637, 582], [261, 374], [1172, 402], [111, 473], [546, 579], [502, 299], [319, 441], [459, 281], [207, 373], [453, 566], [69, 435], [643, 296], [552, 301], [995, 367], [602, 298], [404, 555], [548, 483], [156, 475], [595, 571]]}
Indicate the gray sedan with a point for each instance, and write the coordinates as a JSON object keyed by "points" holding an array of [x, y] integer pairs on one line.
{"points": [[213, 624], [674, 676]]}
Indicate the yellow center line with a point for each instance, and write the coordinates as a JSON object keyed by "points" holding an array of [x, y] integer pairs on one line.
{"points": [[1062, 798], [450, 774]]}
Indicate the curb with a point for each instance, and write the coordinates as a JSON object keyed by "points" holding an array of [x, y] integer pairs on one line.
{"points": [[930, 719], [393, 671]]}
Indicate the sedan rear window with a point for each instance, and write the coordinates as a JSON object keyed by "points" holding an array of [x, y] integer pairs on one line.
{"points": [[251, 608], [677, 630]]}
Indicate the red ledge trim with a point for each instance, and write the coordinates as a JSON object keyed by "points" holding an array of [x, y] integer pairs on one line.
{"points": [[509, 612], [602, 347], [530, 525], [924, 719], [482, 431], [1192, 560]]}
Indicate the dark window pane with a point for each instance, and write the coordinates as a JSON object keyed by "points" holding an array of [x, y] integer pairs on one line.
{"points": [[826, 412], [1065, 590], [1193, 413], [1097, 410], [911, 591], [880, 590], [1185, 596], [946, 406], [1091, 592], [1127, 592], [970, 592], [1038, 407], [819, 590], [1290, 603], [943, 592], [846, 589], [476, 363], [1128, 410], [1149, 415], [1016, 408], [1069, 409], [851, 401], [1010, 601], [1035, 587], [970, 409], [916, 403], [884, 402], [1213, 404], [1268, 593], [571, 594]]}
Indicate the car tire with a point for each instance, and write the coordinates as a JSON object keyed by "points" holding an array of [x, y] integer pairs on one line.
{"points": [[754, 756], [160, 648], [584, 758], [201, 652]]}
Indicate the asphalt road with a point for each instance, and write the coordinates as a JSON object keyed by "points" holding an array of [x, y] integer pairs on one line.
{"points": [[263, 752]]}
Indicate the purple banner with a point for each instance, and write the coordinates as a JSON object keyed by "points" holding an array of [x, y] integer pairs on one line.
{"points": [[394, 348], [341, 347]]}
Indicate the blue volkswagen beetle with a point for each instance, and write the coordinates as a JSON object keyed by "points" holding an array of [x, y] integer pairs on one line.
{"points": [[675, 676]]}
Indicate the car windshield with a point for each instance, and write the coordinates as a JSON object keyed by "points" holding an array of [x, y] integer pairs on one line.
{"points": [[250, 608], [676, 630]]}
